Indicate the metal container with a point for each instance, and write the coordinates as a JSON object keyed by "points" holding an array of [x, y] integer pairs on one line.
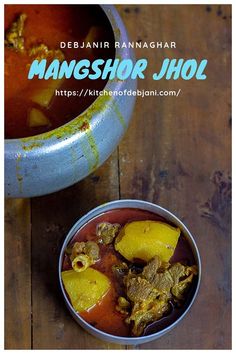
{"points": [[54, 160], [136, 204]]}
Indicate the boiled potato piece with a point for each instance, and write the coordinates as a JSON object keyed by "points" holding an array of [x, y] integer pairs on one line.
{"points": [[43, 96], [146, 239], [85, 289], [37, 119]]}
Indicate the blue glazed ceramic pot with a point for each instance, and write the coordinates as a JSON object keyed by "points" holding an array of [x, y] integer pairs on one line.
{"points": [[54, 160]]}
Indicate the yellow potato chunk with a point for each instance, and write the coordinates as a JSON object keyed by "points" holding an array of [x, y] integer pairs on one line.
{"points": [[37, 119], [85, 289], [44, 95], [146, 239]]}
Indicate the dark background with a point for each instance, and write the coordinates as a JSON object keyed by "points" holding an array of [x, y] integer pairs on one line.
{"points": [[176, 153]]}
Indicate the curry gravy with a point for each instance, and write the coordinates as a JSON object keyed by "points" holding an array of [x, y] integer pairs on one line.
{"points": [[103, 316]]}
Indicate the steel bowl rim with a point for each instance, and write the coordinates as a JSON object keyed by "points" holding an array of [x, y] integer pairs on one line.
{"points": [[82, 221]]}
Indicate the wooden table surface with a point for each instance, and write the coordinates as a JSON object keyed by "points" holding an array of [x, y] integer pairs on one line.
{"points": [[176, 153]]}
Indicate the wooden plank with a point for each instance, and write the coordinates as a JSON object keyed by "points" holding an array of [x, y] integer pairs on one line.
{"points": [[52, 217], [174, 148], [185, 169], [17, 274]]}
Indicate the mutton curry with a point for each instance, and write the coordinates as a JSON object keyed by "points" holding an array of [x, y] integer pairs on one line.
{"points": [[128, 269]]}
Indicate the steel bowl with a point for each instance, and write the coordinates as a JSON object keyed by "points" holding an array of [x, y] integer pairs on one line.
{"points": [[54, 160], [135, 204]]}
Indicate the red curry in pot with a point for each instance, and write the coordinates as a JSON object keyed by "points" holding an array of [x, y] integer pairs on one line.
{"points": [[40, 29]]}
